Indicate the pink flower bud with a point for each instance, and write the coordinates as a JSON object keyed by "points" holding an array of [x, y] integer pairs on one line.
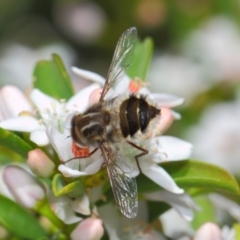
{"points": [[13, 102], [40, 163], [95, 96], [88, 229], [166, 120], [23, 186], [208, 231]]}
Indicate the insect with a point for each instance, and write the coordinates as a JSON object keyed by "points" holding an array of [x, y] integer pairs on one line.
{"points": [[114, 120]]}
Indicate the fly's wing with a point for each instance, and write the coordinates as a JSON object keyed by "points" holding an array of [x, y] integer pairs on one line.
{"points": [[121, 60], [124, 188]]}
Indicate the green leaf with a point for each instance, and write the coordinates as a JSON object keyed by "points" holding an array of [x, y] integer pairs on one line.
{"points": [[207, 213], [193, 174], [9, 156], [18, 221], [14, 142], [141, 59], [60, 187], [237, 231], [51, 77]]}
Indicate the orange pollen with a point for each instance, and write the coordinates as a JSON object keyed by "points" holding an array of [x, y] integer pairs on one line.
{"points": [[134, 86], [79, 151]]}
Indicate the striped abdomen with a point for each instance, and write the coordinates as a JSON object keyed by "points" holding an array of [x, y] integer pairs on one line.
{"points": [[135, 114]]}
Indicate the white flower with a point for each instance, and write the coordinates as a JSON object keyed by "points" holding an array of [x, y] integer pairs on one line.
{"points": [[51, 111], [217, 136], [119, 227], [66, 208], [216, 47], [160, 149], [63, 143]]}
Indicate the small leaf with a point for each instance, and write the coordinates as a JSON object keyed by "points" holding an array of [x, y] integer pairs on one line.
{"points": [[193, 174], [12, 141], [18, 221], [141, 59], [190, 173], [51, 77], [73, 189]]}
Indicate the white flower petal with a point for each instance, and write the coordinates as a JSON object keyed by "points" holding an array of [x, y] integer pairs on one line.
{"points": [[173, 148], [176, 115], [167, 100], [183, 203], [62, 207], [161, 177], [80, 101], [39, 137], [21, 123], [13, 102], [94, 167], [62, 143], [82, 205], [111, 221], [43, 102], [89, 75], [68, 172]]}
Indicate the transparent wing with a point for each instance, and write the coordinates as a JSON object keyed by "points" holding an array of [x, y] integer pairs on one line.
{"points": [[124, 188], [121, 59]]}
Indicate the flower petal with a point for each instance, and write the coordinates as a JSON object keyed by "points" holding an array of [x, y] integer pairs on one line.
{"points": [[39, 137], [173, 148], [161, 177], [88, 75], [80, 101], [13, 102], [21, 123], [43, 102], [62, 207], [183, 203], [68, 172], [82, 205], [167, 100], [94, 167]]}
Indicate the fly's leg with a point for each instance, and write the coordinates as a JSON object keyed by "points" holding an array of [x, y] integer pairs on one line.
{"points": [[144, 152]]}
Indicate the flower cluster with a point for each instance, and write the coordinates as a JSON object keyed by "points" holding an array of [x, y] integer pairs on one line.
{"points": [[50, 124]]}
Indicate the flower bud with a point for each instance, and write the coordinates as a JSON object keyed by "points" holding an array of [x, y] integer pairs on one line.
{"points": [[166, 120], [88, 229], [95, 96], [13, 102], [23, 186], [208, 231], [40, 163]]}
